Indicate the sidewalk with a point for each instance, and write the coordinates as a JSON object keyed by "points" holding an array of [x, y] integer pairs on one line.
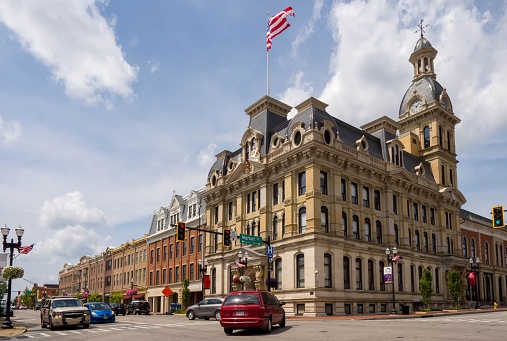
{"points": [[17, 329]]}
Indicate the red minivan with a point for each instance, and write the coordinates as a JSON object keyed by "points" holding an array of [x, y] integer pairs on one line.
{"points": [[251, 309]]}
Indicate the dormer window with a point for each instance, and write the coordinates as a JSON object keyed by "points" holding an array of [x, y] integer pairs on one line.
{"points": [[362, 144]]}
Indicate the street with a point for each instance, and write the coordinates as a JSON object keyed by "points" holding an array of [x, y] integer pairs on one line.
{"points": [[484, 326]]}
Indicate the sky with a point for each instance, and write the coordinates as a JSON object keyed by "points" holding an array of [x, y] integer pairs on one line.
{"points": [[107, 108]]}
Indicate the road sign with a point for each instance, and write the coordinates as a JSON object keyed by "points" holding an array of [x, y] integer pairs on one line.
{"points": [[249, 239], [167, 291], [270, 250], [234, 235]]}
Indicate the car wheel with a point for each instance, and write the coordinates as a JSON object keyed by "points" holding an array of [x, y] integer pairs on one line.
{"points": [[86, 325], [269, 326], [191, 315], [228, 331], [123, 314], [51, 327], [206, 318], [282, 322], [217, 315], [42, 324]]}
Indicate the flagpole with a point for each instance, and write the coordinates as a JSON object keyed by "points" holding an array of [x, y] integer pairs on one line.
{"points": [[267, 55]]}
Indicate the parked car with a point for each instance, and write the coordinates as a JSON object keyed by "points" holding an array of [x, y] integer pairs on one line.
{"points": [[118, 308], [138, 307], [251, 309], [64, 311], [100, 312], [205, 309]]}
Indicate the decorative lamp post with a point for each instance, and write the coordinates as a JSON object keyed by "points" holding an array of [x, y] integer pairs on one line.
{"points": [[243, 259], [7, 324], [476, 269], [391, 262], [203, 267]]}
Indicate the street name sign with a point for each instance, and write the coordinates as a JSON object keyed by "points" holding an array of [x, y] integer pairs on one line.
{"points": [[249, 239]]}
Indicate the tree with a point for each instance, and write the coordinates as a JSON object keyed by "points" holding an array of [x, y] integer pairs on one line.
{"points": [[185, 293], [455, 285], [3, 289], [115, 298], [425, 286], [95, 297]]}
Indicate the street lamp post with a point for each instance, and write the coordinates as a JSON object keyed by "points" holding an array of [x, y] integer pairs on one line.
{"points": [[391, 262], [476, 269], [243, 259], [203, 267], [131, 289], [11, 246]]}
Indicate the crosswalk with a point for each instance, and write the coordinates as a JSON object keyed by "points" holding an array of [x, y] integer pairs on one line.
{"points": [[102, 329], [461, 320]]}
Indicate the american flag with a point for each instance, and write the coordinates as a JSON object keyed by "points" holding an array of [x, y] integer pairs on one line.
{"points": [[277, 25], [239, 265], [397, 258], [25, 249]]}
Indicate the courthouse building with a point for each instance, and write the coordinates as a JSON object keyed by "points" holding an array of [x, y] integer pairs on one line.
{"points": [[332, 198]]}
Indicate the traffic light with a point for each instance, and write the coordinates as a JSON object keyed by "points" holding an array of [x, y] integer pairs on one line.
{"points": [[227, 237], [498, 217], [181, 233], [19, 292]]}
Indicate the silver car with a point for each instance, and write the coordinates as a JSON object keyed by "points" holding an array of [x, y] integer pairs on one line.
{"points": [[63, 311], [205, 309]]}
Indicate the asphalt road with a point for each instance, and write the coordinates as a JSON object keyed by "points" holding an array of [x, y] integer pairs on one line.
{"points": [[486, 326]]}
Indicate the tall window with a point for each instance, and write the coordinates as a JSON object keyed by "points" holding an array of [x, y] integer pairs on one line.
{"points": [[344, 189], [323, 182], [353, 192], [324, 221], [434, 242], [165, 253], [302, 183], [199, 247], [376, 199], [275, 194], [192, 245], [302, 220], [275, 228], [355, 227], [437, 281], [400, 278], [367, 229], [371, 279], [192, 272], [344, 224], [381, 266], [432, 216], [366, 197], [426, 242], [254, 228], [465, 247], [254, 201], [229, 211], [417, 240], [396, 235], [278, 273], [346, 273], [416, 212], [379, 231], [423, 213], [426, 133], [327, 271], [395, 204], [472, 248], [486, 252], [300, 271], [214, 281], [412, 278], [359, 274]]}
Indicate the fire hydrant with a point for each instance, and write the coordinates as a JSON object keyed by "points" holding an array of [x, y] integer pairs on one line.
{"points": [[494, 305]]}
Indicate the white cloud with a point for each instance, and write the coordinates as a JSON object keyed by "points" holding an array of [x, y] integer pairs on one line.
{"points": [[298, 92], [206, 157], [70, 210], [76, 43], [309, 29], [154, 66], [9, 132]]}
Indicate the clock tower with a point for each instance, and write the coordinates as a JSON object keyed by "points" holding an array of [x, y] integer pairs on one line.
{"points": [[426, 118]]}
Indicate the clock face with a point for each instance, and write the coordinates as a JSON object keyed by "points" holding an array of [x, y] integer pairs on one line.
{"points": [[416, 106]]}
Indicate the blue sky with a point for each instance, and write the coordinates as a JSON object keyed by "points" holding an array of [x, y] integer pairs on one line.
{"points": [[107, 107]]}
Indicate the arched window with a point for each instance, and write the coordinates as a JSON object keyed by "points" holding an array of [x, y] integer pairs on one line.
{"points": [[278, 273], [379, 231], [400, 277], [327, 271], [371, 277], [300, 271], [275, 228], [346, 273], [396, 235], [367, 229], [426, 242], [486, 252], [302, 220], [283, 225], [417, 240], [465, 247], [355, 227], [254, 229], [344, 224], [472, 248], [426, 133], [448, 245], [214, 281], [381, 266], [324, 219]]}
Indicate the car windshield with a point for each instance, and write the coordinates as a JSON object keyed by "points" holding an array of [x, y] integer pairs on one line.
{"points": [[98, 306], [66, 303], [242, 299]]}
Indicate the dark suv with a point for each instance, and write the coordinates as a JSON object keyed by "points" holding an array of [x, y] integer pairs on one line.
{"points": [[138, 307]]}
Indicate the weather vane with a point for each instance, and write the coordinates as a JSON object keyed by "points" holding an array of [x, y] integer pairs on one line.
{"points": [[421, 27]]}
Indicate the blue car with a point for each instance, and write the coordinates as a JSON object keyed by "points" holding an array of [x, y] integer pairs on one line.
{"points": [[100, 312]]}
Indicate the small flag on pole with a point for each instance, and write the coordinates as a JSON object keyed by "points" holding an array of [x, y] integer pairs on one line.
{"points": [[397, 258], [25, 249], [277, 25], [239, 265]]}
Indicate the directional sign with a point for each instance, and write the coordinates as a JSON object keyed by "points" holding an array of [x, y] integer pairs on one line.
{"points": [[234, 235], [167, 291], [270, 250], [249, 239]]}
